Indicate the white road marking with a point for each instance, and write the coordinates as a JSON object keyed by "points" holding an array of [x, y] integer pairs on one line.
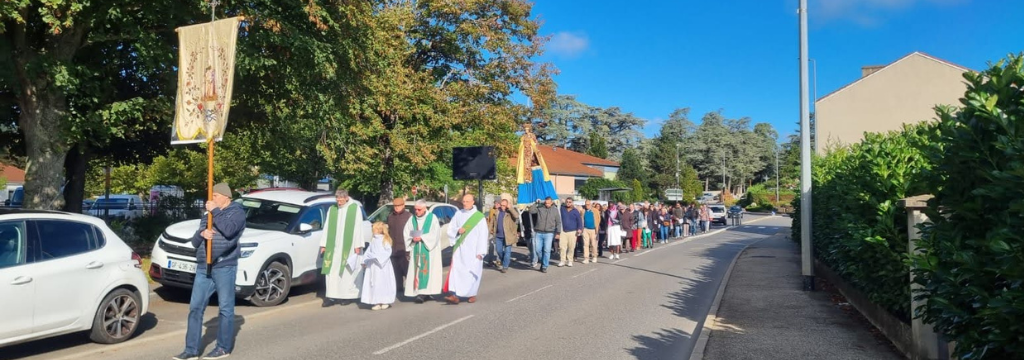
{"points": [[587, 272], [760, 227], [529, 293], [420, 336]]}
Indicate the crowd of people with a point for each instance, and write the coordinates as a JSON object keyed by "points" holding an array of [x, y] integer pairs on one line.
{"points": [[404, 253]]}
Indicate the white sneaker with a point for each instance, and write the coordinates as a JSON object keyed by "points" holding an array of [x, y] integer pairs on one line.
{"points": [[594, 260], [561, 264], [618, 256], [570, 264], [586, 261], [536, 265], [376, 307]]}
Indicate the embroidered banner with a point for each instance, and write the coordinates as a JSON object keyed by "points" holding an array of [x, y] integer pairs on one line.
{"points": [[206, 69]]}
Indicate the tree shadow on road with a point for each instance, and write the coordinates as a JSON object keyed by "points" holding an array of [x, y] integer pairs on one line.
{"points": [[691, 302], [58, 343]]}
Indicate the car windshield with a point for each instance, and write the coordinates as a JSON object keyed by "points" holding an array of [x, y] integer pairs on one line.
{"points": [[381, 215], [111, 204], [717, 209], [18, 196], [269, 215]]}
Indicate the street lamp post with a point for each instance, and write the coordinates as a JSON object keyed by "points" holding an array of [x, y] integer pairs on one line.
{"points": [[776, 174], [677, 166], [806, 249]]}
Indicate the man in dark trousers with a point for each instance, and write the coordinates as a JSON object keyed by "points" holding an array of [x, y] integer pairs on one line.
{"points": [[228, 225], [397, 220]]}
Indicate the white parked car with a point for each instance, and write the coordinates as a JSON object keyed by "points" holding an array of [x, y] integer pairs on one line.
{"points": [[62, 273], [443, 212], [718, 214], [121, 206], [279, 246]]}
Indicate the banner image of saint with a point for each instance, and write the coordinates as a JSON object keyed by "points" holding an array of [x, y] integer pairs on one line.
{"points": [[206, 64]]}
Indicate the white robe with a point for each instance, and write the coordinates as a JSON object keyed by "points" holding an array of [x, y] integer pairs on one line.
{"points": [[379, 277], [432, 240], [346, 283], [466, 270]]}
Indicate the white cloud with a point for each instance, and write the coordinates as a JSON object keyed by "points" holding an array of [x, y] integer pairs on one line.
{"points": [[568, 44], [867, 12]]}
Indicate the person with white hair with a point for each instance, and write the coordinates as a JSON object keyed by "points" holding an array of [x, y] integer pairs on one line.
{"points": [[469, 229], [423, 244]]}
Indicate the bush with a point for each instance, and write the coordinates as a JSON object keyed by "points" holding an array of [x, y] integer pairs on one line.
{"points": [[971, 264], [857, 228]]}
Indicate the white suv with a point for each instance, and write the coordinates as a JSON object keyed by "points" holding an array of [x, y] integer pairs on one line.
{"points": [[279, 246], [62, 273], [121, 206]]}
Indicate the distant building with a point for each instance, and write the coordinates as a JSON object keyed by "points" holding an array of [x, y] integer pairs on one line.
{"points": [[886, 97], [570, 169], [15, 178]]}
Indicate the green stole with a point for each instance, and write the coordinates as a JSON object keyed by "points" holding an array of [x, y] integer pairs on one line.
{"points": [[421, 256], [332, 234], [469, 225]]}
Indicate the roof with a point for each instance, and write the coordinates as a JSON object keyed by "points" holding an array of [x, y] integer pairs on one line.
{"points": [[49, 214], [883, 68], [12, 174], [561, 161]]}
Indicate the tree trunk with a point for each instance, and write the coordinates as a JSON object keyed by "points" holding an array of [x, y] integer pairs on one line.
{"points": [[75, 167], [40, 121], [387, 184]]}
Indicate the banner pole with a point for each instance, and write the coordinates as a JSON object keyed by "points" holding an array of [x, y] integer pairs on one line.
{"points": [[209, 197]]}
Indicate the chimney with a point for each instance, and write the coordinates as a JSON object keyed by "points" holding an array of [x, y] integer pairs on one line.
{"points": [[868, 70]]}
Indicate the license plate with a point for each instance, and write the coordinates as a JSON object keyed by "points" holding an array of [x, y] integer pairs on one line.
{"points": [[182, 266]]}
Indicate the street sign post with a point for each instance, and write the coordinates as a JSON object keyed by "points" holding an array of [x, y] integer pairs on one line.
{"points": [[674, 194]]}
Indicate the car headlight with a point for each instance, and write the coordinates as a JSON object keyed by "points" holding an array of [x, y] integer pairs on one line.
{"points": [[248, 249]]}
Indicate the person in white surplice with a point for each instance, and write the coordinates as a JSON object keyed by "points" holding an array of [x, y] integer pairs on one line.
{"points": [[379, 279], [340, 245], [468, 230], [423, 244]]}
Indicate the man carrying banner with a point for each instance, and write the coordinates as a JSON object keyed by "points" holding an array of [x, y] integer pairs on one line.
{"points": [[340, 246], [469, 229], [423, 244]]}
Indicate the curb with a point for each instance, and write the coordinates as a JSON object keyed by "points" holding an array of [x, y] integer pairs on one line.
{"points": [[709, 323]]}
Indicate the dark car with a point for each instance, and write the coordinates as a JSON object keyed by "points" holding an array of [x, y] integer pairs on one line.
{"points": [[736, 211]]}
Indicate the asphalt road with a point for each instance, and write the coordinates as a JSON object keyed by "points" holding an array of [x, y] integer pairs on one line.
{"points": [[646, 305]]}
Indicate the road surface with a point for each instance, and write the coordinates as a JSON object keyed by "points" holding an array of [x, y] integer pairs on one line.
{"points": [[646, 305]]}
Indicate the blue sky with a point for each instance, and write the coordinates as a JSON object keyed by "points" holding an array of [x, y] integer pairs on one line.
{"points": [[740, 56]]}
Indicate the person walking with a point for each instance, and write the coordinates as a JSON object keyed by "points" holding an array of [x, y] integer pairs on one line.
{"points": [[228, 226], [602, 237], [692, 216], [627, 223], [548, 222], [678, 216], [572, 226], [423, 242], [640, 223], [340, 245], [665, 220], [705, 218], [468, 251], [502, 224], [591, 223], [396, 221], [612, 218], [379, 280]]}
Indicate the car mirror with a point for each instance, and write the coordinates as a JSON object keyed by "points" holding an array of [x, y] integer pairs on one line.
{"points": [[305, 228]]}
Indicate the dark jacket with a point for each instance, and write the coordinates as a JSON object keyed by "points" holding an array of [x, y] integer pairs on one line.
{"points": [[548, 218], [396, 229], [228, 225], [510, 226], [572, 220], [626, 219]]}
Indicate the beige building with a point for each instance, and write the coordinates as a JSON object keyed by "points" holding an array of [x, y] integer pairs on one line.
{"points": [[886, 97]]}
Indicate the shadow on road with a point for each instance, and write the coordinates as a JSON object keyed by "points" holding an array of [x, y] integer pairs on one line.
{"points": [[685, 303], [58, 343]]}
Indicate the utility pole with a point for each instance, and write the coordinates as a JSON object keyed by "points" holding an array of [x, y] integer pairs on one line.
{"points": [[776, 174], [677, 166], [806, 249]]}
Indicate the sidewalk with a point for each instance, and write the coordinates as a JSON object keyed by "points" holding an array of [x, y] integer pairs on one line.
{"points": [[764, 314]]}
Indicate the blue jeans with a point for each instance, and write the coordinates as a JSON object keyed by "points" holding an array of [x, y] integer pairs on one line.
{"points": [[223, 283], [504, 251], [678, 230], [542, 242], [693, 227], [664, 233]]}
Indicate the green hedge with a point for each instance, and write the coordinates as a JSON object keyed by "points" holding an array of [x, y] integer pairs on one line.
{"points": [[858, 228], [972, 261]]}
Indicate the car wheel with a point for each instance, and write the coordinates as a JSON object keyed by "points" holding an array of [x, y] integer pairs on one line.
{"points": [[117, 318], [272, 285]]}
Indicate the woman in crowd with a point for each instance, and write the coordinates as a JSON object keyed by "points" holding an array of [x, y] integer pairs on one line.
{"points": [[612, 218]]}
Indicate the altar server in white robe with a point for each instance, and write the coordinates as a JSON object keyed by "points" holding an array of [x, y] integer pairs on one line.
{"points": [[379, 277], [469, 231]]}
